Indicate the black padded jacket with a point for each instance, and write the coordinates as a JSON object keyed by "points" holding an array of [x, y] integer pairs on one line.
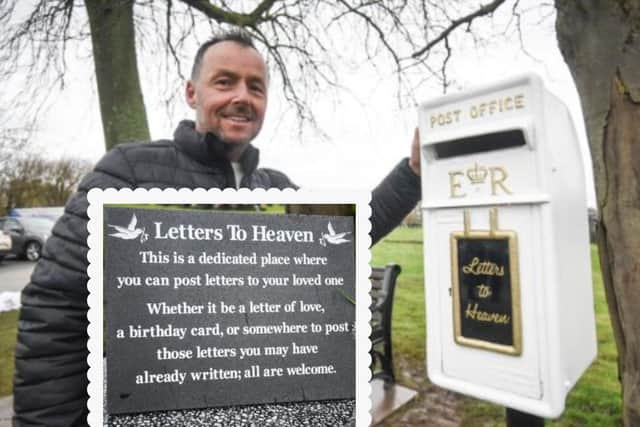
{"points": [[50, 384]]}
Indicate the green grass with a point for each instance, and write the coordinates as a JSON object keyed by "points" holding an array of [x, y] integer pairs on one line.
{"points": [[408, 306], [265, 209], [403, 234], [596, 399], [8, 327]]}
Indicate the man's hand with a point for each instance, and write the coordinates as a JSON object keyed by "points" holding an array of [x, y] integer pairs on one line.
{"points": [[414, 160]]}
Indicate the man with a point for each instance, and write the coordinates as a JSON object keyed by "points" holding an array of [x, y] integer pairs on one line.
{"points": [[228, 91]]}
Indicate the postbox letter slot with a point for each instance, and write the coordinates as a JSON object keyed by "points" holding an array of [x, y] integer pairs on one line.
{"points": [[480, 143]]}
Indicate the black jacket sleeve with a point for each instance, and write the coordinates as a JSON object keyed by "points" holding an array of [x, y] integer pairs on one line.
{"points": [[393, 199], [50, 381], [279, 180]]}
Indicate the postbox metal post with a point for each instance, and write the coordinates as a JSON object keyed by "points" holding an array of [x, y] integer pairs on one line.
{"points": [[516, 418]]}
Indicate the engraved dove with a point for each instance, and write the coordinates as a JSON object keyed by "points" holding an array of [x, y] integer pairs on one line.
{"points": [[333, 237], [131, 232]]}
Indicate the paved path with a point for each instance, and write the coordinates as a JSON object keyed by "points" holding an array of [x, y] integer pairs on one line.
{"points": [[6, 411], [434, 406], [14, 274]]}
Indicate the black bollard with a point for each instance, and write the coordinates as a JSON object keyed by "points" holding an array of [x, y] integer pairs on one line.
{"points": [[522, 419]]}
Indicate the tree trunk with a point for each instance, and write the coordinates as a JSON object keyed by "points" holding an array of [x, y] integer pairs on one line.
{"points": [[113, 38], [600, 40]]}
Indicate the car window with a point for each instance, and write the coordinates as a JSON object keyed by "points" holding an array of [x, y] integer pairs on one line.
{"points": [[11, 224], [37, 224]]}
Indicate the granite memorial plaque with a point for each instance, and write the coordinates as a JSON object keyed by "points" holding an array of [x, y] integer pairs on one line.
{"points": [[207, 308], [486, 290]]}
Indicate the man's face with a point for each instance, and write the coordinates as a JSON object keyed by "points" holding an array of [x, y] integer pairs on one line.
{"points": [[230, 92]]}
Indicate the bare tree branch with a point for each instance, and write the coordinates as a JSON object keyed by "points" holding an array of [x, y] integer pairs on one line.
{"points": [[467, 19], [224, 15], [303, 41], [371, 24], [170, 45]]}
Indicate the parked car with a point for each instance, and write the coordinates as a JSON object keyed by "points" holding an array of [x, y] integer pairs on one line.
{"points": [[5, 244], [28, 235]]}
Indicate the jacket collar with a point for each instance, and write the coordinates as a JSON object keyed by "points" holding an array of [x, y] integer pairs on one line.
{"points": [[208, 149]]}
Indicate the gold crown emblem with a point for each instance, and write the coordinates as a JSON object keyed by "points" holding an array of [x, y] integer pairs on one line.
{"points": [[477, 174]]}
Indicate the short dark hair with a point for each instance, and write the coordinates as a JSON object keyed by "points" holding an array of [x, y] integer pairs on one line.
{"points": [[238, 36]]}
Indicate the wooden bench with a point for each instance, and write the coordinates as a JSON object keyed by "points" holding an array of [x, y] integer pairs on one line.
{"points": [[383, 282]]}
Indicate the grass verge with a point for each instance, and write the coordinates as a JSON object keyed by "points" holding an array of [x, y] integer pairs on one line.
{"points": [[8, 328], [596, 399]]}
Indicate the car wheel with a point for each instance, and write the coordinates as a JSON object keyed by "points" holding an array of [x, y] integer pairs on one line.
{"points": [[32, 251]]}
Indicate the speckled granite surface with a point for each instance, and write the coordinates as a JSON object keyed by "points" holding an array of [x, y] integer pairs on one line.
{"points": [[324, 413]]}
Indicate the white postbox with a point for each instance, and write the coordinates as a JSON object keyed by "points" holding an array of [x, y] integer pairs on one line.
{"points": [[509, 297]]}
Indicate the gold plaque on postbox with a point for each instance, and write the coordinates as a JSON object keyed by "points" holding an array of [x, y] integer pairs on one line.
{"points": [[486, 288]]}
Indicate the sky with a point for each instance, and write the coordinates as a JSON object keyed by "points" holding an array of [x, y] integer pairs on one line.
{"points": [[366, 131]]}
